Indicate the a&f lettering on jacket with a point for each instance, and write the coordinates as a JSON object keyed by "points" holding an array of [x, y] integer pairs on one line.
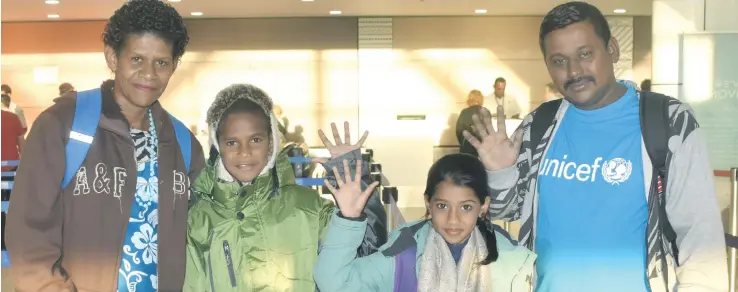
{"points": [[72, 239], [691, 205]]}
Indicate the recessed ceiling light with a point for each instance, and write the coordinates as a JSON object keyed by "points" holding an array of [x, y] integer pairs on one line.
{"points": [[480, 11], [175, 0], [620, 11], [307, 0], [53, 16], [52, 2], [197, 13], [335, 12]]}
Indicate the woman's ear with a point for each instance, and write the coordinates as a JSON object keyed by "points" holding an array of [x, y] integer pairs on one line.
{"points": [[111, 58], [485, 208]]}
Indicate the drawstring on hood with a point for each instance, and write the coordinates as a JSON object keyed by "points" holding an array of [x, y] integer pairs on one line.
{"points": [[223, 101]]}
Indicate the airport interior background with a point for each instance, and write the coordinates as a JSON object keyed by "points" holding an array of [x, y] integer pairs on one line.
{"points": [[400, 69]]}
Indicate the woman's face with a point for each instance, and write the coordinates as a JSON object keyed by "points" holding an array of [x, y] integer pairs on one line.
{"points": [[454, 211], [142, 69]]}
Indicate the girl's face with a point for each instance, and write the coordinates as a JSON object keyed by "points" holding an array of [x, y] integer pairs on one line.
{"points": [[244, 145], [454, 211]]}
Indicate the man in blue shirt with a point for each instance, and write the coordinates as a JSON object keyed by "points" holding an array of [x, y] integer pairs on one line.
{"points": [[584, 194]]}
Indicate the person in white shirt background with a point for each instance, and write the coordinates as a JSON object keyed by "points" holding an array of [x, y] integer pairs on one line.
{"points": [[498, 97], [13, 107]]}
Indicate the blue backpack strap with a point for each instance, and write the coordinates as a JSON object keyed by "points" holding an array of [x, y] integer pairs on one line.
{"points": [[86, 118], [184, 140]]}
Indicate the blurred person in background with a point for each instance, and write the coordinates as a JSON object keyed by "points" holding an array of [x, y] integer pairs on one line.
{"points": [[13, 107], [64, 88], [12, 146], [500, 97], [475, 104]]}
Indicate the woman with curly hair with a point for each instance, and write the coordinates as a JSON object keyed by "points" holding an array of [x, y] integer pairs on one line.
{"points": [[99, 227]]}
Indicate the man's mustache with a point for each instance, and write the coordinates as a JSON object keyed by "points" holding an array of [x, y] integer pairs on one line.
{"points": [[570, 82]]}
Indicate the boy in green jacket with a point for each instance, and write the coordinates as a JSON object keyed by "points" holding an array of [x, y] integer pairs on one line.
{"points": [[250, 226]]}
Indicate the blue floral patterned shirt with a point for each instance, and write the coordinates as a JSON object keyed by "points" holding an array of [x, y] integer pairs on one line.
{"points": [[138, 267]]}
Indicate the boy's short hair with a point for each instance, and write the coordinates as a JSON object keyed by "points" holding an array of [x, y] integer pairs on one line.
{"points": [[252, 96]]}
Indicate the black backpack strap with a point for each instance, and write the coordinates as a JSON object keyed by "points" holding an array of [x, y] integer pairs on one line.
{"points": [[542, 118], [656, 131]]}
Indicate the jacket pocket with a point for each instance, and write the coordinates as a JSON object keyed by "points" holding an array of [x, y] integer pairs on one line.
{"points": [[221, 265], [229, 262], [210, 264]]}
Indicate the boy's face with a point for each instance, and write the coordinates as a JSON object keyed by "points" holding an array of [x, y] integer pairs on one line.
{"points": [[244, 145]]}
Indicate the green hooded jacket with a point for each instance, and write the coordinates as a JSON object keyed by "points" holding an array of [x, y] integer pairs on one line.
{"points": [[257, 237], [263, 235]]}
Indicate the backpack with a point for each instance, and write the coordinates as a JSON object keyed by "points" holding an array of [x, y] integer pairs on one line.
{"points": [[86, 119], [655, 129]]}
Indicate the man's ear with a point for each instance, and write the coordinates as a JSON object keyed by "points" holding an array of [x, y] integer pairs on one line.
{"points": [[613, 47], [111, 58]]}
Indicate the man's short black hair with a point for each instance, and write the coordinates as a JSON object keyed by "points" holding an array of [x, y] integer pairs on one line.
{"points": [[500, 80], [646, 85], [574, 12], [6, 88], [147, 16]]}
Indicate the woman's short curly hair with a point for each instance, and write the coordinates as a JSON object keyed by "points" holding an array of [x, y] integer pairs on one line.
{"points": [[147, 16]]}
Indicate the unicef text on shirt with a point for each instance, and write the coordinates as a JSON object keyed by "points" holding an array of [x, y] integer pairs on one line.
{"points": [[614, 171]]}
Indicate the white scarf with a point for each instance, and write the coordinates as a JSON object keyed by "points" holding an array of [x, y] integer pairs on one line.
{"points": [[439, 272]]}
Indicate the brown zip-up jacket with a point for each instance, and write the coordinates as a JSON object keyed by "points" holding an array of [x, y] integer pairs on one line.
{"points": [[72, 239]]}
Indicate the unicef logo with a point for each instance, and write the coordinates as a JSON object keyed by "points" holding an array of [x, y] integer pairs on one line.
{"points": [[616, 170]]}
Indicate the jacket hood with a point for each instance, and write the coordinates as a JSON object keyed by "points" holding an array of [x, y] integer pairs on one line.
{"points": [[224, 100]]}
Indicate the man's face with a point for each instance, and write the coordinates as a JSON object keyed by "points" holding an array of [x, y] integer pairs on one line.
{"points": [[580, 64], [500, 89]]}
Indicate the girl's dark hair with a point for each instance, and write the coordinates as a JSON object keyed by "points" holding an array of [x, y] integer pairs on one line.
{"points": [[466, 171]]}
